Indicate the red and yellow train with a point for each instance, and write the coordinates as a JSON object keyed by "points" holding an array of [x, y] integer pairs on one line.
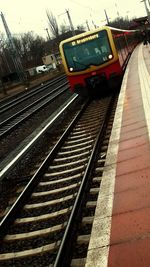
{"points": [[95, 61]]}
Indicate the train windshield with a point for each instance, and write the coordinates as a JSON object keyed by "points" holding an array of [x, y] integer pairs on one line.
{"points": [[88, 51]]}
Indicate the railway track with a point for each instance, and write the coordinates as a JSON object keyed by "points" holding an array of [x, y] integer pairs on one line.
{"points": [[24, 152], [20, 100], [13, 121], [38, 229], [17, 127], [32, 152]]}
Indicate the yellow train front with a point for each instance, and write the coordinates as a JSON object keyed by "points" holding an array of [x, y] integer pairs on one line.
{"points": [[94, 61]]}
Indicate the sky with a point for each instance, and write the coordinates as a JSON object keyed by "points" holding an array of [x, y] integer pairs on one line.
{"points": [[23, 16]]}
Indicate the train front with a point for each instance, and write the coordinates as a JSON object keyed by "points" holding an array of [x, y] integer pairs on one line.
{"points": [[89, 60]]}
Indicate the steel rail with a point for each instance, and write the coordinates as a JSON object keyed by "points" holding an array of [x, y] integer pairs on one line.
{"points": [[30, 113], [6, 170], [65, 249], [20, 202], [27, 95], [31, 105]]}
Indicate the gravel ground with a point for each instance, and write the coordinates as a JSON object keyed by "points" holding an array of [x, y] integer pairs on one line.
{"points": [[26, 128], [14, 89], [21, 174]]}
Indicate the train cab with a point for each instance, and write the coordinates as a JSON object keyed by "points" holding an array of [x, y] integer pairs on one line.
{"points": [[94, 61]]}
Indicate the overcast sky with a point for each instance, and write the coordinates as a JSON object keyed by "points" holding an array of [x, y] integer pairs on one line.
{"points": [[29, 15]]}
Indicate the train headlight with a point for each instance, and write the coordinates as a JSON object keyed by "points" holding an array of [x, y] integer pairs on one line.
{"points": [[110, 56], [71, 69]]}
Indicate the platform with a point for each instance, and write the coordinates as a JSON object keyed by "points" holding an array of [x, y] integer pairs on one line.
{"points": [[121, 229]]}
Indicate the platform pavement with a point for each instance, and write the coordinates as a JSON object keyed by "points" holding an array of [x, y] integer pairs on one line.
{"points": [[121, 228]]}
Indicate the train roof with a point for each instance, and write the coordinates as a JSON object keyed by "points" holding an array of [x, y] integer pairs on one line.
{"points": [[82, 35]]}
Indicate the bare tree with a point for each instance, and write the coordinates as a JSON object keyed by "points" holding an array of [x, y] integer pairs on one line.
{"points": [[6, 65], [31, 49], [52, 24], [121, 23], [81, 28], [64, 28]]}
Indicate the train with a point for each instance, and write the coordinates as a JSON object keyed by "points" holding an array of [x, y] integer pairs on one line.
{"points": [[95, 61]]}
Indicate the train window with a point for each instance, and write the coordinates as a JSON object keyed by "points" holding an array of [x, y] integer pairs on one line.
{"points": [[122, 46], [85, 52]]}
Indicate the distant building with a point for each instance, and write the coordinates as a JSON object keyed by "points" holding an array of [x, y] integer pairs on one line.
{"points": [[50, 60], [140, 23]]}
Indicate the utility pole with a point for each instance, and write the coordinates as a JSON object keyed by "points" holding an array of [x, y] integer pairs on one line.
{"points": [[147, 10], [14, 53], [149, 2], [70, 22], [93, 22], [48, 35], [118, 15], [107, 19], [87, 25]]}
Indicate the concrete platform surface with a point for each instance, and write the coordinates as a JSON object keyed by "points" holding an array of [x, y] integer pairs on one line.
{"points": [[121, 228]]}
